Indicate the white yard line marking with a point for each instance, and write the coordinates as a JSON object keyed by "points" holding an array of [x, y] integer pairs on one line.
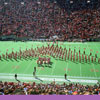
{"points": [[39, 70], [4, 66], [92, 64], [50, 79], [15, 68], [53, 76], [28, 67], [80, 66], [80, 70], [7, 62], [67, 69], [67, 65], [53, 68], [94, 70]]}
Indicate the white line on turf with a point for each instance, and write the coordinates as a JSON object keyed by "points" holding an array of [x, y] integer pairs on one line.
{"points": [[67, 65], [67, 69], [15, 68], [6, 63], [39, 70], [94, 70], [92, 64], [3, 67], [80, 70], [53, 68], [53, 76], [50, 79], [27, 67]]}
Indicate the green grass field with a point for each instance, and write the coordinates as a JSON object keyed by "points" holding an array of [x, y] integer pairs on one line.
{"points": [[85, 73]]}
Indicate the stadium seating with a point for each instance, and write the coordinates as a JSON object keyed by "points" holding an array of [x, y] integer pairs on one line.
{"points": [[45, 18], [11, 88]]}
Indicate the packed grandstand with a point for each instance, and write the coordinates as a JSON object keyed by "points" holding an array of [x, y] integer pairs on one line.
{"points": [[45, 19], [50, 21]]}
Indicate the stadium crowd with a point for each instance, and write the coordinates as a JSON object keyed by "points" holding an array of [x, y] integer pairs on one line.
{"points": [[44, 18], [31, 88]]}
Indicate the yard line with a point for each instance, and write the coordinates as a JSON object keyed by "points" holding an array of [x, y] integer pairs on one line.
{"points": [[27, 67], [4, 66], [80, 68], [15, 68], [67, 68], [7, 62], [38, 70], [94, 70], [93, 66], [29, 75], [41, 67], [51, 79], [67, 64], [53, 68]]}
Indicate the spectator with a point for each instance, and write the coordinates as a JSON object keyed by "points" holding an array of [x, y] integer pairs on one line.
{"points": [[11, 88], [44, 18]]}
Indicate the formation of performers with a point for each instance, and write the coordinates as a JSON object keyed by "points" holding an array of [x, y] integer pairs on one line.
{"points": [[51, 50], [43, 60]]}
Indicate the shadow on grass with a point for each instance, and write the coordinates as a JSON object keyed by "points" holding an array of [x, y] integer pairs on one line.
{"points": [[17, 80], [67, 80], [38, 79]]}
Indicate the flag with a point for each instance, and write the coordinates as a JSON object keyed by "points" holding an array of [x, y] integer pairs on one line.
{"points": [[96, 51], [90, 49]]}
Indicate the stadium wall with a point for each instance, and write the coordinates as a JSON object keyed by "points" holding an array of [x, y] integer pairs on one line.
{"points": [[15, 38]]}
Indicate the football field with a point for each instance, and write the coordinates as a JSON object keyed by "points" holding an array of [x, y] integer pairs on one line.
{"points": [[85, 73]]}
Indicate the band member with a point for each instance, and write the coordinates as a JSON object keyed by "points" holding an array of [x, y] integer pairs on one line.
{"points": [[84, 52], [98, 60], [86, 58], [65, 57], [68, 56], [80, 58], [79, 51], [92, 59], [95, 59], [95, 55], [16, 76], [76, 57], [34, 74], [73, 58], [65, 76], [90, 53], [89, 58], [35, 69], [0, 57], [74, 50], [83, 57]]}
